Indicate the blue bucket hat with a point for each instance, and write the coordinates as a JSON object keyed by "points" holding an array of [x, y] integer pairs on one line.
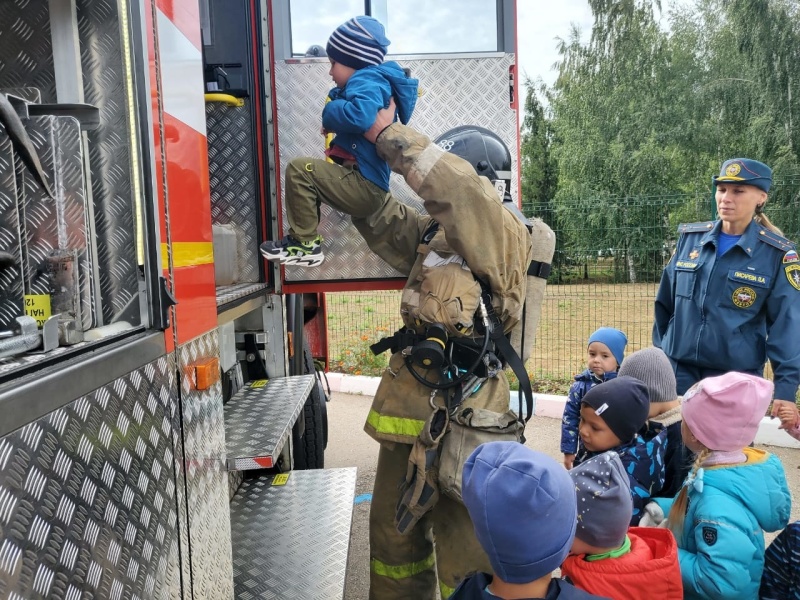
{"points": [[745, 171]]}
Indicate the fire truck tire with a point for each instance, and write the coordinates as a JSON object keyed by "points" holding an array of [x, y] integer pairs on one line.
{"points": [[309, 448]]}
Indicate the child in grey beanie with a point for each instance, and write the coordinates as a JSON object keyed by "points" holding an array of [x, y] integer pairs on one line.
{"points": [[652, 367], [608, 558]]}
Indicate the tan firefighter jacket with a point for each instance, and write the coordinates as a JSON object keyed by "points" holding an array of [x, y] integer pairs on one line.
{"points": [[473, 226]]}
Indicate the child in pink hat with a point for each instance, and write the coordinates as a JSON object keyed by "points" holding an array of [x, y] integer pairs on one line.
{"points": [[733, 492]]}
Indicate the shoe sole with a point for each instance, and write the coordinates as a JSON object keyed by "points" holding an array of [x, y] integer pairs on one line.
{"points": [[311, 260]]}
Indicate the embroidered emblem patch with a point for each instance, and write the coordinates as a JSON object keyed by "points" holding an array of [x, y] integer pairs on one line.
{"points": [[790, 257], [744, 297], [694, 254], [733, 170], [710, 535], [793, 275]]}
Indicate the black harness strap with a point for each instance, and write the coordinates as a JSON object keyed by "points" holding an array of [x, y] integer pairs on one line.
{"points": [[509, 355]]}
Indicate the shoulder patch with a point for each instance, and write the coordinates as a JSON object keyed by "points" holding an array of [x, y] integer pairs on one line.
{"points": [[775, 240], [710, 535], [695, 227], [790, 257], [793, 275]]}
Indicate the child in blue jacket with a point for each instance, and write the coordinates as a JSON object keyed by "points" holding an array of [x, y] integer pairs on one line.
{"points": [[356, 180], [612, 416], [605, 350], [733, 494]]}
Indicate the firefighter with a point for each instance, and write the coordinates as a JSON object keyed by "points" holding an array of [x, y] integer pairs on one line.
{"points": [[730, 296], [468, 257]]}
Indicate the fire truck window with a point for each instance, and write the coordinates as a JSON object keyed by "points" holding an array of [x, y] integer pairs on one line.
{"points": [[314, 21], [442, 29]]}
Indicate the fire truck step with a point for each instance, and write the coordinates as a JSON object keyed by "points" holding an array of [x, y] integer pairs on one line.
{"points": [[291, 534], [259, 419], [227, 294]]}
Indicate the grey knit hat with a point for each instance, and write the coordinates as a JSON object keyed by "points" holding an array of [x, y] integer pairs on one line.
{"points": [[651, 366], [604, 500]]}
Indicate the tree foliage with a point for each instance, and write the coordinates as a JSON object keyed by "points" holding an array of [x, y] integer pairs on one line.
{"points": [[642, 111]]}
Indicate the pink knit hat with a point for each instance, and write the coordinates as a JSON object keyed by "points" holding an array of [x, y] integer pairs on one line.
{"points": [[724, 412]]}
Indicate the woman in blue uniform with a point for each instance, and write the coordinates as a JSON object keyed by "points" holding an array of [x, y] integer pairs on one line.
{"points": [[730, 296]]}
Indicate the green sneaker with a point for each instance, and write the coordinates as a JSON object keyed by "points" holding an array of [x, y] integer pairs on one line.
{"points": [[290, 251]]}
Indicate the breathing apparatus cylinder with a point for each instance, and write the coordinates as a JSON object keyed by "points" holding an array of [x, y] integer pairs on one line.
{"points": [[544, 246]]}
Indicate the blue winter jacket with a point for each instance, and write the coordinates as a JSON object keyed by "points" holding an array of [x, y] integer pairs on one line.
{"points": [[644, 463], [721, 548], [572, 409], [352, 111], [730, 313], [781, 578], [474, 588]]}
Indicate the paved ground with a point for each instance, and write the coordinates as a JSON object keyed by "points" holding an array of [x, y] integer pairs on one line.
{"points": [[349, 446]]}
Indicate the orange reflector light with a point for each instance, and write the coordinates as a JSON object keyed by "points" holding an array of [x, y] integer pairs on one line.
{"points": [[206, 372]]}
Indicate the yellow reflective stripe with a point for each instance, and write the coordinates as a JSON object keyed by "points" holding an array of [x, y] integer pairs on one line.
{"points": [[401, 571], [445, 590], [395, 425], [187, 254]]}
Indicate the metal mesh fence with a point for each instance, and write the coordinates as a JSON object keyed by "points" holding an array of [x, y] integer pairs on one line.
{"points": [[608, 261]]}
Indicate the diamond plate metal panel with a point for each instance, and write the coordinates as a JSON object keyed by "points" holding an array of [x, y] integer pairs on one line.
{"points": [[105, 86], [259, 419], [204, 476], [229, 293], [27, 39], [29, 42], [87, 496], [11, 290], [232, 177], [291, 540], [455, 92], [61, 223]]}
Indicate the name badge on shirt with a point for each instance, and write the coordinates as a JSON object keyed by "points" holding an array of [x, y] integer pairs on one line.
{"points": [[749, 277], [686, 265]]}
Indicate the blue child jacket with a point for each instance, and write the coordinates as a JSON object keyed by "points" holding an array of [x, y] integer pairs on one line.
{"points": [[721, 547], [643, 460], [572, 409], [352, 111], [734, 311]]}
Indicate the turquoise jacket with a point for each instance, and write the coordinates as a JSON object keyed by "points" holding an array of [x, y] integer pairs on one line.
{"points": [[352, 111], [721, 548]]}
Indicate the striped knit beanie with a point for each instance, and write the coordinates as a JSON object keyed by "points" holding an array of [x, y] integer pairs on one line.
{"points": [[358, 43]]}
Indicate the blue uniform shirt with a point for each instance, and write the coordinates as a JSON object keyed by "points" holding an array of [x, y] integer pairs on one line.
{"points": [[731, 312]]}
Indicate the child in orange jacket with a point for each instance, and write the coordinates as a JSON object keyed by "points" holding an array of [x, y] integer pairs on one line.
{"points": [[608, 558]]}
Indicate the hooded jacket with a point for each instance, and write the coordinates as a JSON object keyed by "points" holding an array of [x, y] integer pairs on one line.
{"points": [[649, 570], [572, 409], [721, 547], [352, 111]]}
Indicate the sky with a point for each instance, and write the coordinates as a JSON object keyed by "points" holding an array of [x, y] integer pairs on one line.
{"points": [[427, 26], [538, 29]]}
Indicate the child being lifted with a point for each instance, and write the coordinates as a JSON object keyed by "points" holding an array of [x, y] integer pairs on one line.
{"points": [[357, 181]]}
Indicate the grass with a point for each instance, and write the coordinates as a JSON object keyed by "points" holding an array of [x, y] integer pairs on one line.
{"points": [[570, 313]]}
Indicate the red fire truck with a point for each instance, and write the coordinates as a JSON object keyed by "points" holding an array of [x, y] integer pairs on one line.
{"points": [[162, 424]]}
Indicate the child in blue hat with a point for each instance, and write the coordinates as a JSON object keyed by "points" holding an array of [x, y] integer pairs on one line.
{"points": [[524, 510], [605, 350], [354, 179]]}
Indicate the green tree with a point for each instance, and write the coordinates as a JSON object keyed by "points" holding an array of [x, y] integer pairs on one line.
{"points": [[536, 167]]}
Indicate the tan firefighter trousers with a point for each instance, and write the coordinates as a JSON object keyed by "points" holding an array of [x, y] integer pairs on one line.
{"points": [[403, 567]]}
